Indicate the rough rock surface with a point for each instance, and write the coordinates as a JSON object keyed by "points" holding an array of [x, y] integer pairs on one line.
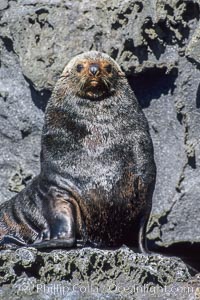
{"points": [[157, 43], [86, 274]]}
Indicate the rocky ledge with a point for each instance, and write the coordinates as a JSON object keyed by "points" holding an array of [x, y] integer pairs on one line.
{"points": [[91, 274], [157, 43]]}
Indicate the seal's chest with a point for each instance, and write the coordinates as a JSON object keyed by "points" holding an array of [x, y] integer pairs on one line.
{"points": [[97, 139]]}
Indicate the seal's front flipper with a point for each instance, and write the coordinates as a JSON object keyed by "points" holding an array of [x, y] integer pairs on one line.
{"points": [[11, 242], [62, 221], [61, 229], [55, 243]]}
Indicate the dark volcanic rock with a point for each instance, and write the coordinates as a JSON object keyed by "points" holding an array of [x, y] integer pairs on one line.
{"points": [[157, 44]]}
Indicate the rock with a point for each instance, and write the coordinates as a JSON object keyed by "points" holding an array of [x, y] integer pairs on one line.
{"points": [[20, 124], [178, 290], [193, 48], [3, 4], [86, 273], [157, 46]]}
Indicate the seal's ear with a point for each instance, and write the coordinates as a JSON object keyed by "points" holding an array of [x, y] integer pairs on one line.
{"points": [[65, 74]]}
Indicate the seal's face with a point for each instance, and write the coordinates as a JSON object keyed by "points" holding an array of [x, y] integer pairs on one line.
{"points": [[93, 75], [95, 78]]}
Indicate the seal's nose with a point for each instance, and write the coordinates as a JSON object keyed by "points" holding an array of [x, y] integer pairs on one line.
{"points": [[94, 69]]}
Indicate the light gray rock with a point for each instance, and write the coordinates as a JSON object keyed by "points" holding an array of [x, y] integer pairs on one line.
{"points": [[3, 4], [20, 125]]}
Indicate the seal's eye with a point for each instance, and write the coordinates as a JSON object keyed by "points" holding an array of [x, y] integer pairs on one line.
{"points": [[108, 68], [79, 68]]}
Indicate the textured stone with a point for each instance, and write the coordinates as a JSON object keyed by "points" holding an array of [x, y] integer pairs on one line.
{"points": [[156, 43], [3, 4], [85, 273]]}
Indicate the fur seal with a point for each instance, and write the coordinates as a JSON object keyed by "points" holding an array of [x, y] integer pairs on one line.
{"points": [[97, 166]]}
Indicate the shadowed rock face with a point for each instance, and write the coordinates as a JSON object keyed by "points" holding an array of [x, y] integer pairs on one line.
{"points": [[157, 44]]}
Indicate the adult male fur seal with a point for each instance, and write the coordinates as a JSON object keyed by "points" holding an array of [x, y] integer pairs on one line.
{"points": [[97, 167]]}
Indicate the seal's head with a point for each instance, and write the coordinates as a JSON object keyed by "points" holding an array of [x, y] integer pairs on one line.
{"points": [[92, 75]]}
